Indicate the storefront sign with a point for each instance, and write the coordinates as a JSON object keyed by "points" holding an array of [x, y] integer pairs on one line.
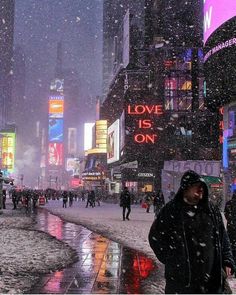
{"points": [[145, 125], [145, 174], [211, 168], [219, 47], [216, 13]]}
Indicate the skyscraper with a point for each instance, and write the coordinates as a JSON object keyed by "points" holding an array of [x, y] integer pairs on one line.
{"points": [[6, 54]]}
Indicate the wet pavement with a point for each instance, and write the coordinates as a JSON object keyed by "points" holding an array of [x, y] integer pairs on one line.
{"points": [[103, 266]]}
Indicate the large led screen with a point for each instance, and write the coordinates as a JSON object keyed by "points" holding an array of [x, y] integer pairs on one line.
{"points": [[55, 154], [55, 130], [56, 108], [113, 142], [8, 144], [217, 12]]}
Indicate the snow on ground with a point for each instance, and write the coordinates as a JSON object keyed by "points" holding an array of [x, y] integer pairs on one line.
{"points": [[107, 220], [26, 253]]}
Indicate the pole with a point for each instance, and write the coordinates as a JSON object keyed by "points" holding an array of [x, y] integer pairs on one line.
{"points": [[1, 196]]}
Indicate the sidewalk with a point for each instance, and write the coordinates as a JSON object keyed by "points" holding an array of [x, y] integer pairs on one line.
{"points": [[107, 221], [26, 253]]}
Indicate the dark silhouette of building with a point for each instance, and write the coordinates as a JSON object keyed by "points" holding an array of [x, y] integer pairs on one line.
{"points": [[6, 57]]}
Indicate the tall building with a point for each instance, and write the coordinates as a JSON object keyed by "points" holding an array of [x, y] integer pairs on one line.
{"points": [[155, 91], [220, 73], [6, 57]]}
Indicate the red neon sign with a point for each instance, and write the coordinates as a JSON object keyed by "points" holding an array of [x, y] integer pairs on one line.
{"points": [[145, 124]]}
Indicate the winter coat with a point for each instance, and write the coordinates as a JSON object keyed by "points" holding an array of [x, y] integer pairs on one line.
{"points": [[125, 199], [167, 238], [230, 215]]}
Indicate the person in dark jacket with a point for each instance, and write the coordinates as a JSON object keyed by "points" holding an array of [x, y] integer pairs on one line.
{"points": [[189, 237], [230, 215], [125, 203]]}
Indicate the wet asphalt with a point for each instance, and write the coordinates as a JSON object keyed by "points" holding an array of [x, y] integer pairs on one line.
{"points": [[103, 266]]}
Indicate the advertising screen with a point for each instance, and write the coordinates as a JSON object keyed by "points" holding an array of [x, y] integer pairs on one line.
{"points": [[8, 143], [113, 142], [57, 85], [56, 108], [55, 130], [216, 13], [73, 165], [55, 154], [88, 135], [101, 134]]}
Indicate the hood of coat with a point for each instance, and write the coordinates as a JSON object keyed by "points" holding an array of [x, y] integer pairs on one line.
{"points": [[189, 178]]}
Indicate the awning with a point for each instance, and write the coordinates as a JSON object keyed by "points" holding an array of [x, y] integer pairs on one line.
{"points": [[213, 181]]}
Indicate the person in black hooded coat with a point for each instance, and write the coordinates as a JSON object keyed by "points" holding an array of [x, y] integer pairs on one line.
{"points": [[189, 237]]}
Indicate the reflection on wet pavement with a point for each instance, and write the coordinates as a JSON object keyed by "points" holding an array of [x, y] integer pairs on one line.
{"points": [[103, 267]]}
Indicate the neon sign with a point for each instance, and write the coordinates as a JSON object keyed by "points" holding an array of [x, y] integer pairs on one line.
{"points": [[145, 126]]}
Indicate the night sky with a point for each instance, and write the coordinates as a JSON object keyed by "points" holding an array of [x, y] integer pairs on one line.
{"points": [[39, 26]]}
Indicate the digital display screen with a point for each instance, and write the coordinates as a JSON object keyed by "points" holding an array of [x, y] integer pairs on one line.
{"points": [[55, 154], [55, 130], [56, 108], [216, 13]]}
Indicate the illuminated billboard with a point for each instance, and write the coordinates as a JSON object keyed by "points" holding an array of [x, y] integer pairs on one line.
{"points": [[101, 134], [57, 85], [216, 13], [73, 165], [56, 97], [56, 108], [88, 135], [55, 154], [72, 141], [55, 130], [113, 142], [8, 145]]}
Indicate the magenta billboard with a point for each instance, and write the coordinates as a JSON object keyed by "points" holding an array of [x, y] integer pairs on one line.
{"points": [[217, 12]]}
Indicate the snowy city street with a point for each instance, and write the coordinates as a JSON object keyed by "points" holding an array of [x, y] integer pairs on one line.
{"points": [[117, 147]]}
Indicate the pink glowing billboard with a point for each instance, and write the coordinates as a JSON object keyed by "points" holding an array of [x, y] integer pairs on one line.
{"points": [[217, 12]]}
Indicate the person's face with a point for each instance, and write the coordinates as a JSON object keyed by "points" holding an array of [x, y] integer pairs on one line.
{"points": [[193, 194]]}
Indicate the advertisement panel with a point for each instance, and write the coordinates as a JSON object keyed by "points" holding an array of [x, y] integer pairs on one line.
{"points": [[56, 97], [55, 154], [55, 130], [122, 131], [113, 142], [73, 165], [57, 85], [101, 134], [216, 13], [72, 141], [56, 108], [8, 145], [88, 135]]}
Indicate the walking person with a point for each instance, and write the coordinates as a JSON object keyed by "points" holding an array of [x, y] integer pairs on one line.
{"points": [[189, 237], [64, 199], [71, 198], [125, 203], [230, 215], [4, 198]]}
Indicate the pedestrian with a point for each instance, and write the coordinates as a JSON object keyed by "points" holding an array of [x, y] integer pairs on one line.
{"points": [[14, 199], [230, 215], [125, 203], [148, 202], [71, 198], [189, 237], [4, 197], [89, 199], [64, 199]]}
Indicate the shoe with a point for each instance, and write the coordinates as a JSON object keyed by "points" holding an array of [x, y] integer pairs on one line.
{"points": [[123, 219], [127, 218]]}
